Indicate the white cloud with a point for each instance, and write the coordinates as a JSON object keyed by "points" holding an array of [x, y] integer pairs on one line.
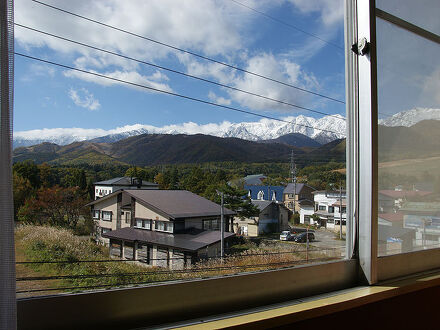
{"points": [[218, 99], [269, 65], [83, 98], [131, 77], [431, 88], [330, 11]]}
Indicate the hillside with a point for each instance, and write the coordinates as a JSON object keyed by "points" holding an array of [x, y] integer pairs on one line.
{"points": [[153, 149], [294, 139], [418, 141]]}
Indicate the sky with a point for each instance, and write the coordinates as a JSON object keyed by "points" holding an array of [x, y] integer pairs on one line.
{"points": [[47, 96]]}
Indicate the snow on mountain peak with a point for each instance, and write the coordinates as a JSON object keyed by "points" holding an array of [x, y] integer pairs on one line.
{"points": [[263, 129], [411, 117]]}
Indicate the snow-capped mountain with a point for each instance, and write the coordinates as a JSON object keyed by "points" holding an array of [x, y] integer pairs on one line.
{"points": [[410, 117], [323, 130]]}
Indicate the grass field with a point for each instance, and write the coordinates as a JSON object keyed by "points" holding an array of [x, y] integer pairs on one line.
{"points": [[413, 167]]}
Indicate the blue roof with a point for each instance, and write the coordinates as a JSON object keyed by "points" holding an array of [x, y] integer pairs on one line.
{"points": [[266, 192]]}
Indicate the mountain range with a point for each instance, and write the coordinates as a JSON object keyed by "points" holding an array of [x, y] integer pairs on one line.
{"points": [[322, 130]]}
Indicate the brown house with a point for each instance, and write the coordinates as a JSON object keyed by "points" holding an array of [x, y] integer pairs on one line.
{"points": [[294, 193], [169, 228]]}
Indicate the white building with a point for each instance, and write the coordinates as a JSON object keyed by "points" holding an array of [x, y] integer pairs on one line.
{"points": [[306, 211], [103, 188], [328, 207]]}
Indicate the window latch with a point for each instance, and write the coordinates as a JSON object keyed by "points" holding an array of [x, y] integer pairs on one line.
{"points": [[362, 47]]}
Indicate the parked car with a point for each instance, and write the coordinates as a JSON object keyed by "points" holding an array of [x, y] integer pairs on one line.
{"points": [[285, 235], [302, 237]]}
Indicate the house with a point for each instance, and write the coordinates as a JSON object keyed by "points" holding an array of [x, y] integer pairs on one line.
{"points": [[424, 218], [392, 200], [273, 217], [328, 207], [294, 192], [266, 193], [169, 228], [306, 211], [103, 188]]}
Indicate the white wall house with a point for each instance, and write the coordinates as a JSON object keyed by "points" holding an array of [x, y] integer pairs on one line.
{"points": [[104, 188], [306, 211], [327, 207]]}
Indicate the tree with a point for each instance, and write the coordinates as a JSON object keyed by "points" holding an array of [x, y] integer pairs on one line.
{"points": [[28, 170], [22, 190], [233, 200], [56, 206]]}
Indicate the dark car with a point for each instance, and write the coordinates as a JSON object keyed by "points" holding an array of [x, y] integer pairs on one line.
{"points": [[302, 237]]}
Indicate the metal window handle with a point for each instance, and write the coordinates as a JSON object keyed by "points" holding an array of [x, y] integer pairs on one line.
{"points": [[362, 47]]}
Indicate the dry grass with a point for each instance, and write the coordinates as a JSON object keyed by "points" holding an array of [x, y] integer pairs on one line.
{"points": [[38, 243]]}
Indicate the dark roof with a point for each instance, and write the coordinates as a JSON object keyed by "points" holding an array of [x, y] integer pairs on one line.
{"points": [[267, 190], [190, 241], [123, 181], [254, 179], [306, 202], [299, 186], [393, 217], [178, 203], [262, 204]]}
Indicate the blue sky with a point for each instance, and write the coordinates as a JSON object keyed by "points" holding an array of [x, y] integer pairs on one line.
{"points": [[51, 97]]}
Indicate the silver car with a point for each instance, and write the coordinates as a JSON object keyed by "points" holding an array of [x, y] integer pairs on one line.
{"points": [[285, 235]]}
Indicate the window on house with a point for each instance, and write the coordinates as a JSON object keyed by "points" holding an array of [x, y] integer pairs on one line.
{"points": [[107, 215], [211, 224], [165, 226], [96, 214], [105, 230], [322, 207]]}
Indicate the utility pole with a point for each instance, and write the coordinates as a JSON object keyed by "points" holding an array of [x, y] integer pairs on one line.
{"points": [[340, 209], [293, 179], [222, 226]]}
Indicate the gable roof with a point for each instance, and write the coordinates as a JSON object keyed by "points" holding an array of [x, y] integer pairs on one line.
{"points": [[123, 181], [267, 190], [262, 204], [177, 203], [299, 186]]}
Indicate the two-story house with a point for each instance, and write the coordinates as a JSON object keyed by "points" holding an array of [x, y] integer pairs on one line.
{"points": [[295, 192], [272, 217], [329, 206], [169, 228], [103, 188]]}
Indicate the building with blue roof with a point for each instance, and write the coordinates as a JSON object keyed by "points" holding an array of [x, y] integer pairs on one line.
{"points": [[265, 193]]}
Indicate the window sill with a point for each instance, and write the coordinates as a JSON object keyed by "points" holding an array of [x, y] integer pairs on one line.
{"points": [[317, 306]]}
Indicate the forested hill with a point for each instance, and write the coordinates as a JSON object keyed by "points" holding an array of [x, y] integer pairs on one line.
{"points": [[153, 149]]}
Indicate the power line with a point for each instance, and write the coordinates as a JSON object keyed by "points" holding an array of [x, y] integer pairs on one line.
{"points": [[157, 272], [188, 52], [287, 24], [178, 72], [174, 258], [169, 93]]}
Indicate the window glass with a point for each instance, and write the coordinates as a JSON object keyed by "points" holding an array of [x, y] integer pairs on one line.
{"points": [[409, 140], [423, 13], [214, 107]]}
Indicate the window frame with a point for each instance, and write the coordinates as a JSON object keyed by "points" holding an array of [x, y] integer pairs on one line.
{"points": [[247, 290], [106, 212]]}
